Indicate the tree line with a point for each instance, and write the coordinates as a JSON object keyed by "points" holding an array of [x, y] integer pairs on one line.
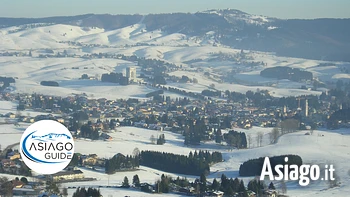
{"points": [[120, 162], [115, 78], [194, 164], [155, 93], [254, 167], [201, 186], [236, 139], [82, 192], [342, 115], [284, 72], [87, 131], [6, 82], [49, 83]]}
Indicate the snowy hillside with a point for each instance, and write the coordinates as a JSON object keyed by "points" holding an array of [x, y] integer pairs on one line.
{"points": [[50, 37], [232, 16], [210, 50], [32, 70], [322, 147]]}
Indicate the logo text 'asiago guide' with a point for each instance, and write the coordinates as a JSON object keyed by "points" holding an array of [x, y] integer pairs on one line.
{"points": [[47, 147]]}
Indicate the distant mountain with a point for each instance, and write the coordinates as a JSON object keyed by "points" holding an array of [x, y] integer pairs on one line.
{"points": [[325, 39]]}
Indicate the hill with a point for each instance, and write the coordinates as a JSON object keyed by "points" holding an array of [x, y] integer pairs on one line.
{"points": [[322, 39]]}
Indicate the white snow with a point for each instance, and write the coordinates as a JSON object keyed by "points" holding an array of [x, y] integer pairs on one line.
{"points": [[322, 147]]}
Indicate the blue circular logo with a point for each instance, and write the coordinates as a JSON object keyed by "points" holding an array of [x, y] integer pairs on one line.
{"points": [[47, 147]]}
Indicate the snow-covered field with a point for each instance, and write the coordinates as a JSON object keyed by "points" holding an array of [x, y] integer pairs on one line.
{"points": [[10, 134], [320, 148], [323, 147], [171, 48], [31, 71], [9, 106]]}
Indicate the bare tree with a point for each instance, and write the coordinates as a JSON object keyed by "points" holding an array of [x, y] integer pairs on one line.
{"points": [[289, 125], [335, 182], [259, 138], [311, 131], [249, 139], [283, 187], [275, 134], [153, 139], [65, 191], [271, 138], [18, 113], [97, 77], [6, 186], [136, 152]]}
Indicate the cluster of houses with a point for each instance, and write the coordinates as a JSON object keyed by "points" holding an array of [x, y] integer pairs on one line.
{"points": [[20, 188], [191, 191], [241, 114], [10, 162]]}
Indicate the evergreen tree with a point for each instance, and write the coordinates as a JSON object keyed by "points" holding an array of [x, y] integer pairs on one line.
{"points": [[163, 184], [161, 140], [218, 136], [241, 186], [225, 184], [75, 160], [229, 191], [256, 186], [190, 155], [136, 181], [216, 185], [82, 192], [235, 185], [272, 186], [203, 183], [125, 183]]}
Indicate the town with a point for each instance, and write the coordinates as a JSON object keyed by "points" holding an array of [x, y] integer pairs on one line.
{"points": [[213, 111], [187, 103]]}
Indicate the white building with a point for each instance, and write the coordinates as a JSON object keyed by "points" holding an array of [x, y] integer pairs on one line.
{"points": [[68, 175], [131, 73]]}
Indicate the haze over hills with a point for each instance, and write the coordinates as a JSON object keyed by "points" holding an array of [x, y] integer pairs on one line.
{"points": [[232, 69], [321, 39], [210, 40]]}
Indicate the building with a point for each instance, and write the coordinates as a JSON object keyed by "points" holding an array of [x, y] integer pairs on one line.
{"points": [[68, 175], [7, 163], [187, 190], [270, 193], [145, 187], [131, 74], [25, 190], [306, 108], [14, 156], [217, 194]]}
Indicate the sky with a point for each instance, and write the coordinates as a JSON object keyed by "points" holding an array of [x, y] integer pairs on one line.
{"points": [[284, 9]]}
